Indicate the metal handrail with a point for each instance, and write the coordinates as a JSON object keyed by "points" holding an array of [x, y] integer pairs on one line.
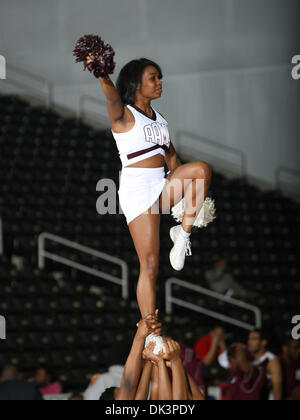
{"points": [[170, 300], [233, 150], [281, 169], [43, 254], [2, 67], [87, 98], [1, 237], [2, 328], [49, 85]]}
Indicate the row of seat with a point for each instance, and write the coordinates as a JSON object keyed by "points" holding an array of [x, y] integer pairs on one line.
{"points": [[53, 164]]}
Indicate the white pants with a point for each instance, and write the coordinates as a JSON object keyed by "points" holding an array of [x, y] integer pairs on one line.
{"points": [[139, 189]]}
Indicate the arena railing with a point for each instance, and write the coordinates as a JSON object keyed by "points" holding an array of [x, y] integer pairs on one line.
{"points": [[43, 254], [33, 77], [1, 237], [171, 300], [184, 147], [283, 169]]}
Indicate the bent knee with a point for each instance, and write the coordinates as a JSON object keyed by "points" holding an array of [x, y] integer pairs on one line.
{"points": [[202, 170]]}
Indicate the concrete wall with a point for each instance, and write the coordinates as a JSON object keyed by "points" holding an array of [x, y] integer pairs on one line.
{"points": [[226, 64]]}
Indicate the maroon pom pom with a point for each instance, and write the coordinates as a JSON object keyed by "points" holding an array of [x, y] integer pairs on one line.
{"points": [[103, 63]]}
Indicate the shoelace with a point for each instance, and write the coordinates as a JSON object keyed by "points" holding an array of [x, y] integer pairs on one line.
{"points": [[188, 250]]}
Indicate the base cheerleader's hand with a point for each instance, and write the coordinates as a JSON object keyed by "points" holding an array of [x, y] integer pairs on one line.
{"points": [[149, 325], [95, 55], [172, 351], [150, 356]]}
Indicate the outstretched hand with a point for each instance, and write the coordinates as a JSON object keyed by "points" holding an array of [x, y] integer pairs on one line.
{"points": [[89, 61], [149, 355], [172, 351], [149, 325]]}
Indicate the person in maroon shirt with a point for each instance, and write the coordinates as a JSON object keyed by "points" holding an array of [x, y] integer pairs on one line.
{"points": [[258, 343], [210, 346], [290, 362], [192, 365], [246, 381]]}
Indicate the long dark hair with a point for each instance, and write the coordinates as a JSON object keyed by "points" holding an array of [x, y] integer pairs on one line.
{"points": [[108, 394], [131, 76]]}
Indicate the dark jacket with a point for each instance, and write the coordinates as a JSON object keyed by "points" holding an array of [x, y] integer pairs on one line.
{"points": [[19, 391]]}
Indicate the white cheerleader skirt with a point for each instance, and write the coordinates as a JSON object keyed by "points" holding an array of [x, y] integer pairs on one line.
{"points": [[139, 189]]}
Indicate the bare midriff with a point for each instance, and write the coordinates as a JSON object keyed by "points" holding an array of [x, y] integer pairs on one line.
{"points": [[156, 161]]}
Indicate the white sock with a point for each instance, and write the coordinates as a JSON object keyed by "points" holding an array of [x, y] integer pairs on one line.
{"points": [[184, 233]]}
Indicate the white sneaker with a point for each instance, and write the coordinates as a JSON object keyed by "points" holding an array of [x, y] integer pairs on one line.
{"points": [[181, 248]]}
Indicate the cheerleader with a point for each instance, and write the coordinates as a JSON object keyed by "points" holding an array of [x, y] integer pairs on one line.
{"points": [[142, 137]]}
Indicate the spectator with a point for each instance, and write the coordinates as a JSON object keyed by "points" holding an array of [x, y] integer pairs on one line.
{"points": [[257, 343], [192, 366], [13, 388], [220, 279], [246, 381], [290, 362], [210, 346], [46, 382]]}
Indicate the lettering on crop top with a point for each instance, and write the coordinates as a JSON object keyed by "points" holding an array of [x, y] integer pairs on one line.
{"points": [[157, 133]]}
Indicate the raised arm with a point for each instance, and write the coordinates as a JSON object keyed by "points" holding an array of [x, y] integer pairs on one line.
{"points": [[155, 386], [143, 389], [115, 106], [197, 394], [217, 342], [179, 384], [274, 369], [133, 366], [164, 392], [132, 370], [165, 386]]}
